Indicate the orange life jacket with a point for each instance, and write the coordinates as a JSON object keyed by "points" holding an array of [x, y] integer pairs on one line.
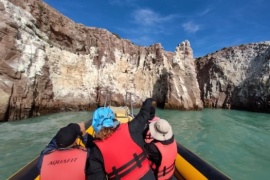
{"points": [[148, 138], [68, 164], [168, 156], [123, 158]]}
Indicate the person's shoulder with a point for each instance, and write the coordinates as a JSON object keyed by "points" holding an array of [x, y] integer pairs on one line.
{"points": [[151, 146], [94, 149], [95, 154], [169, 141]]}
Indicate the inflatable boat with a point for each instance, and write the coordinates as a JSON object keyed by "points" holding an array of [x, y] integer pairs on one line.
{"points": [[188, 165]]}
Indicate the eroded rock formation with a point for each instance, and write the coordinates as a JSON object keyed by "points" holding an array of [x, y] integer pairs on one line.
{"points": [[183, 86], [50, 63], [236, 77]]}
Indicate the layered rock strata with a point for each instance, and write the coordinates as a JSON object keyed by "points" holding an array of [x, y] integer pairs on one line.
{"points": [[50, 64]]}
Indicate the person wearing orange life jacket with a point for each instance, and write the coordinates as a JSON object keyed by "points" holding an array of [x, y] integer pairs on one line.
{"points": [[62, 159], [118, 151], [146, 133], [162, 150]]}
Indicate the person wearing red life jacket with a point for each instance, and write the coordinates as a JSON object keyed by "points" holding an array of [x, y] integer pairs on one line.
{"points": [[162, 150], [118, 151], [62, 158]]}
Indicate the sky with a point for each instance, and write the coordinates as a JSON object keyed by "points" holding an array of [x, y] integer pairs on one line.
{"points": [[209, 25]]}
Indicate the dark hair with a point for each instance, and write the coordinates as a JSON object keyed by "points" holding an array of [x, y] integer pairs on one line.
{"points": [[66, 136]]}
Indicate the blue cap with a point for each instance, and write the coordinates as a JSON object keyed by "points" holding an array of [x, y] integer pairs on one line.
{"points": [[103, 117]]}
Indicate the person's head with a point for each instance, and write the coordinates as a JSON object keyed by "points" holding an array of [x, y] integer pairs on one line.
{"points": [[66, 136], [104, 122], [152, 112], [161, 130]]}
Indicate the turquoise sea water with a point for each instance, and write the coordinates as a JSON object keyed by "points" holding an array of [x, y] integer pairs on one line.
{"points": [[235, 142]]}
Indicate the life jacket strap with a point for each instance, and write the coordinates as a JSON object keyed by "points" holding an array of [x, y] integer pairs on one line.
{"points": [[114, 170], [118, 173], [165, 170], [148, 136]]}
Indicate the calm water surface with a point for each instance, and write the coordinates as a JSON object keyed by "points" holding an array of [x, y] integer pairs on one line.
{"points": [[235, 142]]}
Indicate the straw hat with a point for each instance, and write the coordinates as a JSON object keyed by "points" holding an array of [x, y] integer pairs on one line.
{"points": [[161, 130]]}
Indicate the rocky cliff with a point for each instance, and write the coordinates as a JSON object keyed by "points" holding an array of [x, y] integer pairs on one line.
{"points": [[48, 63], [236, 77]]}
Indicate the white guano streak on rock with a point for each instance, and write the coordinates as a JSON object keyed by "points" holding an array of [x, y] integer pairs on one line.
{"points": [[32, 59], [122, 69], [71, 74], [4, 99]]}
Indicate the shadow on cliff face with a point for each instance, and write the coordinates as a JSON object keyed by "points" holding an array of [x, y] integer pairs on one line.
{"points": [[253, 93], [160, 89], [207, 70]]}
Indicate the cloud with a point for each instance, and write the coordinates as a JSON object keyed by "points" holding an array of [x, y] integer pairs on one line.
{"points": [[123, 2], [148, 17], [148, 27], [191, 27], [205, 12]]}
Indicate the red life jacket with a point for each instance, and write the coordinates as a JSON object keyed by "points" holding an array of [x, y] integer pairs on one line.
{"points": [[168, 156], [148, 138], [68, 164], [123, 158]]}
